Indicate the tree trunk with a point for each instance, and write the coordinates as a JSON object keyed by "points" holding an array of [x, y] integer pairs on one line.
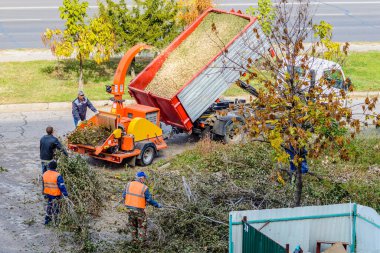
{"points": [[80, 73], [299, 186]]}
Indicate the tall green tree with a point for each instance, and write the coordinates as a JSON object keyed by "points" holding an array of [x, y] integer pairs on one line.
{"points": [[151, 21], [265, 13], [83, 37]]}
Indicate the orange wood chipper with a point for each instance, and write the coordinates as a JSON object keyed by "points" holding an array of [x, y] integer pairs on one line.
{"points": [[136, 133]]}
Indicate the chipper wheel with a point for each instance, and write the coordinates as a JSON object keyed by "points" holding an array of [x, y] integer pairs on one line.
{"points": [[147, 155]]}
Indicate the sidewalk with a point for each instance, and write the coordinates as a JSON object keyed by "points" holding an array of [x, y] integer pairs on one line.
{"points": [[59, 106], [55, 106], [14, 55]]}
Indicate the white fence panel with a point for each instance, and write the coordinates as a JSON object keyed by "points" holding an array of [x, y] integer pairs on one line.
{"points": [[368, 230], [306, 225]]}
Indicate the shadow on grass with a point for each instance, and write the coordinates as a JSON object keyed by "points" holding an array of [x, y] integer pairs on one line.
{"points": [[93, 72]]}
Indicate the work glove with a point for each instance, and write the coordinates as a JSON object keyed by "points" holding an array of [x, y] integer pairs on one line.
{"points": [[159, 206], [79, 122], [97, 112]]}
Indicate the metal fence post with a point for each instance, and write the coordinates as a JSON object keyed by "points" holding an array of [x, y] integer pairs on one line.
{"points": [[353, 238], [230, 243]]}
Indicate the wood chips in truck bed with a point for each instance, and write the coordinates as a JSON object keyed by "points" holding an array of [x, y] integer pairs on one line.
{"points": [[198, 49]]}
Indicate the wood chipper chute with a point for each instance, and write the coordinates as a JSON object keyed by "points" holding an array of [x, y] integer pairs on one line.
{"points": [[135, 132]]}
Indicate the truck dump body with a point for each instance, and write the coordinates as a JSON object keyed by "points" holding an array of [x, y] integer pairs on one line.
{"points": [[208, 84]]}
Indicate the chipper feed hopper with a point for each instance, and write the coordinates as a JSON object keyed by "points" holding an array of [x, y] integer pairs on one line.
{"points": [[136, 133]]}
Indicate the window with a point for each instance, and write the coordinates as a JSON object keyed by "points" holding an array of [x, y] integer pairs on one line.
{"points": [[298, 70], [334, 75]]}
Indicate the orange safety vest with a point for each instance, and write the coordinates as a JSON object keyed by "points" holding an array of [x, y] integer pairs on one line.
{"points": [[135, 194], [50, 179]]}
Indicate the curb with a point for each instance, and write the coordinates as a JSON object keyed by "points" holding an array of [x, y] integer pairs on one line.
{"points": [[61, 106], [38, 54], [54, 106], [363, 94]]}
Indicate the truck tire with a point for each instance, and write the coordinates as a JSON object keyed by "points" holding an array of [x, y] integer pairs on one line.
{"points": [[234, 133], [147, 155], [204, 133]]}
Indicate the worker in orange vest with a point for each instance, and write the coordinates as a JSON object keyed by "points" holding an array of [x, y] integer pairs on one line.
{"points": [[136, 195], [53, 189]]}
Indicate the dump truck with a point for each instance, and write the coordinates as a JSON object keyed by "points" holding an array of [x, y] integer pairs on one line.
{"points": [[136, 134], [195, 108]]}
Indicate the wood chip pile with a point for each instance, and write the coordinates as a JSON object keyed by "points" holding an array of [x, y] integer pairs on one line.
{"points": [[90, 135], [195, 52]]}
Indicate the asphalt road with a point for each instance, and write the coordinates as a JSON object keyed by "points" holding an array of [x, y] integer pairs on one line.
{"points": [[23, 21], [21, 203]]}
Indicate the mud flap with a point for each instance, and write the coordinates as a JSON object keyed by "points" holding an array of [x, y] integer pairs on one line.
{"points": [[132, 161], [220, 126]]}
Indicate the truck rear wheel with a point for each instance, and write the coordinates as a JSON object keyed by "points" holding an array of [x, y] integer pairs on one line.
{"points": [[234, 133], [148, 153]]}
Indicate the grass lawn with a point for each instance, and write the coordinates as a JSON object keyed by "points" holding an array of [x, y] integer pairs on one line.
{"points": [[364, 70], [362, 67], [52, 81]]}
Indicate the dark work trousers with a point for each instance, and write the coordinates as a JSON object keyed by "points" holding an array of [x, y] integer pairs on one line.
{"points": [[52, 209], [76, 122]]}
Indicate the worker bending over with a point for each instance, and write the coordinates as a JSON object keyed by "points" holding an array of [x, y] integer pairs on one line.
{"points": [[48, 144], [53, 189], [79, 109], [136, 195]]}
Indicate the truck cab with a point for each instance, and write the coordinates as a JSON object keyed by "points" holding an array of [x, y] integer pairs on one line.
{"points": [[319, 70], [226, 127]]}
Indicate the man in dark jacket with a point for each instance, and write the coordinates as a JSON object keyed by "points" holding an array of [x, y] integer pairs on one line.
{"points": [[80, 105], [48, 144], [53, 189]]}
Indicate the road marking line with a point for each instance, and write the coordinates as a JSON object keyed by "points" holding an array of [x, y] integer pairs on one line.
{"points": [[221, 5], [42, 7], [311, 3], [27, 20], [316, 15], [336, 14], [29, 8]]}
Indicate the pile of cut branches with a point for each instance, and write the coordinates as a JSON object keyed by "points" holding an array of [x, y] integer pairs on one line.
{"points": [[90, 135], [86, 194], [200, 188]]}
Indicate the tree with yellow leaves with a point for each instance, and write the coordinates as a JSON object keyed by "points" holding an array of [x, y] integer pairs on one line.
{"points": [[83, 37], [303, 107]]}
